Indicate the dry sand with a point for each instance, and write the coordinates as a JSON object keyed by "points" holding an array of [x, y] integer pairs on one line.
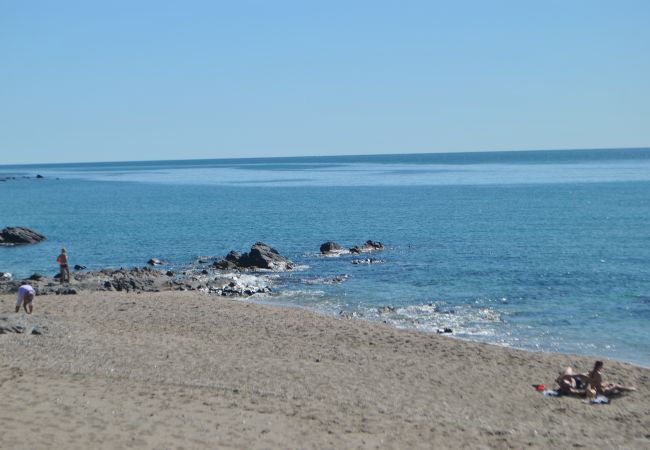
{"points": [[184, 370]]}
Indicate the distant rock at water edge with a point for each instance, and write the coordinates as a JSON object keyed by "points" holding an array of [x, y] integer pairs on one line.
{"points": [[20, 235], [260, 256], [331, 248]]}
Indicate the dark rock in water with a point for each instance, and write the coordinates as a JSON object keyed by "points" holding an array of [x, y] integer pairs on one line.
{"points": [[263, 256], [169, 273], [155, 262], [39, 176], [36, 277], [79, 267], [368, 261], [260, 256], [5, 276], [331, 247], [329, 280], [386, 309], [20, 235], [205, 271], [444, 330], [368, 246], [339, 278]]}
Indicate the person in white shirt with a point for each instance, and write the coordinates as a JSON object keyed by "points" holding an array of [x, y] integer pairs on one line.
{"points": [[25, 297]]}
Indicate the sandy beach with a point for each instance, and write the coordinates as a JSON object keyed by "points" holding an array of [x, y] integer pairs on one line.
{"points": [[187, 370]]}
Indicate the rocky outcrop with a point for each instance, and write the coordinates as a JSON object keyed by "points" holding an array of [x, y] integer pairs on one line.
{"points": [[20, 235], [368, 246], [260, 256], [5, 276], [332, 248]]}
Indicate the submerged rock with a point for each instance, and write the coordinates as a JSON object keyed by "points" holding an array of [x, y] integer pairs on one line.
{"points": [[368, 261], [329, 280], [20, 235]]}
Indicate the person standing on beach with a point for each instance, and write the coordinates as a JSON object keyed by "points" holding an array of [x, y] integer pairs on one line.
{"points": [[25, 297], [63, 264]]}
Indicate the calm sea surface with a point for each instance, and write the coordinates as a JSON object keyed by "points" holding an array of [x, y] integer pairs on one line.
{"points": [[544, 250]]}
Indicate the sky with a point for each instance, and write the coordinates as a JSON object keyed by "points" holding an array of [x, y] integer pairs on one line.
{"points": [[148, 80]]}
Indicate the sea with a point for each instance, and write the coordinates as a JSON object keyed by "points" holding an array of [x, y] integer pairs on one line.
{"points": [[539, 250]]}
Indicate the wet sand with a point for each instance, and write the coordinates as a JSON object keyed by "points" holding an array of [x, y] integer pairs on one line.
{"points": [[185, 370]]}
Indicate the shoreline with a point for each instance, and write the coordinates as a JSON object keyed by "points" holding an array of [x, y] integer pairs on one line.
{"points": [[316, 311], [167, 369], [228, 284]]}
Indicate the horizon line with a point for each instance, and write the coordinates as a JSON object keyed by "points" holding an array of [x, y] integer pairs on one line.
{"points": [[252, 158]]}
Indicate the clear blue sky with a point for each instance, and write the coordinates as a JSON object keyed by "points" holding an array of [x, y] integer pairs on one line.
{"points": [[135, 80]]}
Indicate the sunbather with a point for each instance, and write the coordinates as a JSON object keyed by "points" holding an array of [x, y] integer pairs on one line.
{"points": [[608, 389], [572, 383]]}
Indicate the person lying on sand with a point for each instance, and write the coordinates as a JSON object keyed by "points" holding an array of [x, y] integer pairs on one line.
{"points": [[608, 389], [572, 383], [25, 297]]}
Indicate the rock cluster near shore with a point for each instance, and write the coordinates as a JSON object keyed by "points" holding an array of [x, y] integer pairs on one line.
{"points": [[145, 279], [20, 235], [149, 279], [229, 276]]}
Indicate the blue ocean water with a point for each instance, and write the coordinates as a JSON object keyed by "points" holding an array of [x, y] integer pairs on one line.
{"points": [[546, 250]]}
